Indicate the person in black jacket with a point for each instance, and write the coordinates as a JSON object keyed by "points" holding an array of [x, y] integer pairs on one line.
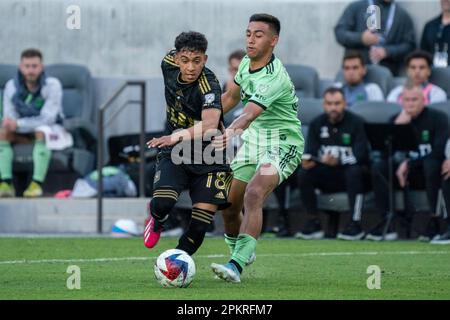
{"points": [[386, 44], [444, 238], [420, 168], [334, 158], [436, 36]]}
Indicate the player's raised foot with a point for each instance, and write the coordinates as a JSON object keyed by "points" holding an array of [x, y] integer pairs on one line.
{"points": [[7, 190], [227, 272], [152, 232], [353, 231], [34, 190], [311, 231]]}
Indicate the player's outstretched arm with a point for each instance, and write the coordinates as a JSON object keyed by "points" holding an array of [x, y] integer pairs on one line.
{"points": [[231, 97], [251, 112], [210, 121]]}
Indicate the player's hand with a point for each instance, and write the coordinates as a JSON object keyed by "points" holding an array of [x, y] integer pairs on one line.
{"points": [[161, 142], [445, 171], [402, 173], [9, 124], [329, 160], [403, 118], [369, 38], [221, 142], [308, 164]]}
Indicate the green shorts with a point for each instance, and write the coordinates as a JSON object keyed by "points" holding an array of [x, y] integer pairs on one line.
{"points": [[284, 157]]}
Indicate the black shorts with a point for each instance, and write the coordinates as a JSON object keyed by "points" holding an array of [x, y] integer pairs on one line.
{"points": [[205, 187]]}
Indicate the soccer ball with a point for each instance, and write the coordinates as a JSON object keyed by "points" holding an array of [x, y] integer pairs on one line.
{"points": [[174, 268]]}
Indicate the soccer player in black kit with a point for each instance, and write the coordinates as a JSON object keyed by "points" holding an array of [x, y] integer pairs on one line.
{"points": [[193, 98]]}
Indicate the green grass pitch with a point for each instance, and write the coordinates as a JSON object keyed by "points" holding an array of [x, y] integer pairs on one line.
{"points": [[36, 268]]}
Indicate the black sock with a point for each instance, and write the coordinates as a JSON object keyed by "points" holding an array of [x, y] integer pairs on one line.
{"points": [[192, 239], [237, 265]]}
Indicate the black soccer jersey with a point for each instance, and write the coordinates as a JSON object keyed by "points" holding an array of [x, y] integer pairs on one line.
{"points": [[186, 101], [432, 132], [345, 140]]}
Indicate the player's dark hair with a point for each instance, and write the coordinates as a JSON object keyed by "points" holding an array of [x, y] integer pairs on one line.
{"points": [[333, 90], [191, 41], [419, 54], [353, 54], [31, 53], [238, 54], [272, 21]]}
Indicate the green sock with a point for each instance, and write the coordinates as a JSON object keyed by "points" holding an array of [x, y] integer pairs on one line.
{"points": [[231, 242], [245, 246], [41, 160], [6, 160]]}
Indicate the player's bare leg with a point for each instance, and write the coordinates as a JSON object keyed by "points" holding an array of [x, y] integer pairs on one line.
{"points": [[262, 184], [259, 188], [232, 216]]}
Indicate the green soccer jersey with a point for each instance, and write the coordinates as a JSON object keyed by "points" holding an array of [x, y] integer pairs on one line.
{"points": [[271, 88]]}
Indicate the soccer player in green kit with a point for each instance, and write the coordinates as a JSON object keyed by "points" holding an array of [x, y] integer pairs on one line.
{"points": [[273, 142]]}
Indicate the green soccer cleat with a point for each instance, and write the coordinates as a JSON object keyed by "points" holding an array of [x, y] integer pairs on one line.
{"points": [[7, 190], [34, 190]]}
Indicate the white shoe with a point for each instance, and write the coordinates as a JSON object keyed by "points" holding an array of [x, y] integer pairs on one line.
{"points": [[227, 272], [310, 236]]}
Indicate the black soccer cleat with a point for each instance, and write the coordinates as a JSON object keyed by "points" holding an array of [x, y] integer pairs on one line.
{"points": [[352, 231], [311, 231]]}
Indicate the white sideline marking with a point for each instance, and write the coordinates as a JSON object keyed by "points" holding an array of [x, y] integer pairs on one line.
{"points": [[209, 256]]}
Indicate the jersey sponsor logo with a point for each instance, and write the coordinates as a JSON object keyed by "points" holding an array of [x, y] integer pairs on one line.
{"points": [[324, 132], [424, 150], [344, 154], [260, 97]]}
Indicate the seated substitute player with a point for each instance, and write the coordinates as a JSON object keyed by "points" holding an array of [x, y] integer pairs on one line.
{"points": [[273, 143], [32, 105], [193, 108], [335, 157], [421, 168]]}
